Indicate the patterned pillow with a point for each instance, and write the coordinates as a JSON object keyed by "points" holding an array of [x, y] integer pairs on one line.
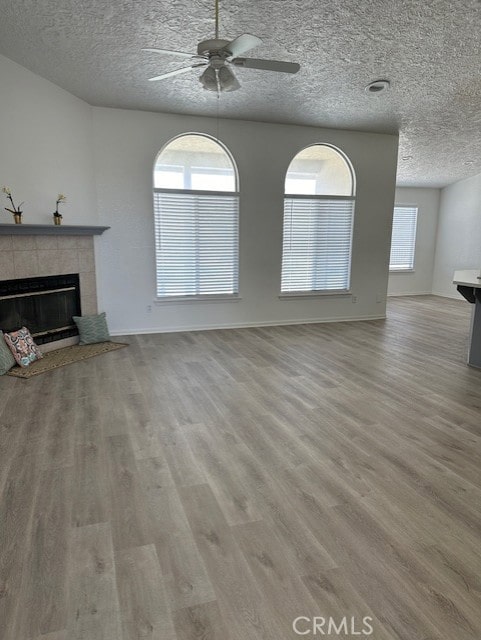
{"points": [[24, 349], [92, 329], [7, 361]]}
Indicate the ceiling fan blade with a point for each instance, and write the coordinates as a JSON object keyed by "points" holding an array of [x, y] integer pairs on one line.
{"points": [[176, 72], [243, 43], [168, 52], [267, 65]]}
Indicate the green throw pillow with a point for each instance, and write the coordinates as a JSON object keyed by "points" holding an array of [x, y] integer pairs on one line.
{"points": [[92, 329], [7, 361]]}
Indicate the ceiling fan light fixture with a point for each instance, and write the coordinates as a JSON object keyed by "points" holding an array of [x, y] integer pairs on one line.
{"points": [[209, 79], [227, 80]]}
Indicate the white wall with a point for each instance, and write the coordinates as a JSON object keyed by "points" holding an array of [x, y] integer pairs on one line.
{"points": [[126, 144], [52, 142], [45, 148], [459, 234], [420, 281]]}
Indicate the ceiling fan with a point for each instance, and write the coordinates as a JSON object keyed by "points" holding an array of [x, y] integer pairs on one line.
{"points": [[218, 56]]}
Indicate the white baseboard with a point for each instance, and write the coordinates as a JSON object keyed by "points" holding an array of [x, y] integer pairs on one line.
{"points": [[455, 296], [242, 325], [409, 293], [425, 293]]}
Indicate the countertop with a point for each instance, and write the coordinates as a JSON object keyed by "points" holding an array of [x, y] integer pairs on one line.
{"points": [[468, 278]]}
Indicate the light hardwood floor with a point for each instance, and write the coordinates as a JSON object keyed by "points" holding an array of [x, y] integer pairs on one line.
{"points": [[217, 485]]}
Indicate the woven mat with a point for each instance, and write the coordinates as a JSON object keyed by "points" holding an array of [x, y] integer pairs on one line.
{"points": [[61, 357]]}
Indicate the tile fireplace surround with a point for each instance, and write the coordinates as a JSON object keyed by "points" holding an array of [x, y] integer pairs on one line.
{"points": [[24, 256]]}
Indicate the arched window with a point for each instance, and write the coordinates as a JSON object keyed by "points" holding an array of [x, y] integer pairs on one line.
{"points": [[196, 214], [318, 221]]}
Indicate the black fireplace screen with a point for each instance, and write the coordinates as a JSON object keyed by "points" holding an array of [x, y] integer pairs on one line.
{"points": [[44, 305]]}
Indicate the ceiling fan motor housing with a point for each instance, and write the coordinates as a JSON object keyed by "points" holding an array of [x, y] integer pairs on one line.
{"points": [[212, 47]]}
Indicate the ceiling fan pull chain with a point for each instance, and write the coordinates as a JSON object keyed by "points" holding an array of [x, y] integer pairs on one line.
{"points": [[216, 19]]}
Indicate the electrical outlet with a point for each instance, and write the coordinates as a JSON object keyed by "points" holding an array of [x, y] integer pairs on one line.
{"points": [[149, 308], [379, 297], [353, 299]]}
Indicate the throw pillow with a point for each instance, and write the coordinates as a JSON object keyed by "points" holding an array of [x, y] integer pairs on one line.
{"points": [[7, 361], [22, 346], [92, 329]]}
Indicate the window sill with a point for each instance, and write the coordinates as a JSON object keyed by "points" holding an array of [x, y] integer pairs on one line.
{"points": [[313, 294], [392, 271], [203, 298]]}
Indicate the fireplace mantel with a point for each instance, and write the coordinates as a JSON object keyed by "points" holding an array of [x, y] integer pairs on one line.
{"points": [[50, 229]]}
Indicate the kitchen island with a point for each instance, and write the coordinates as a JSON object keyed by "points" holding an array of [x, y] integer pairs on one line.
{"points": [[468, 283]]}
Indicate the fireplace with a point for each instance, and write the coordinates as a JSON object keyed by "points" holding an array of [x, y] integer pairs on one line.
{"points": [[44, 305]]}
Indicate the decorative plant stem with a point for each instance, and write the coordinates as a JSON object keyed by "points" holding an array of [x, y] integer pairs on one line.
{"points": [[16, 210], [57, 217]]}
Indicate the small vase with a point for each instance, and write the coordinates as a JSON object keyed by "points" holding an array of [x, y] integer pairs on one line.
{"points": [[17, 218], [57, 219]]}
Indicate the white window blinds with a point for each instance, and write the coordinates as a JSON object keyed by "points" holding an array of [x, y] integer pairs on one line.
{"points": [[403, 240], [196, 239], [317, 242]]}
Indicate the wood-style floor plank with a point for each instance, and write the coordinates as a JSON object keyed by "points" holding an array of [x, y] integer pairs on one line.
{"points": [[242, 603], [94, 609], [215, 485], [56, 635], [184, 573], [16, 510], [200, 623], [131, 523], [142, 595], [43, 600], [285, 593]]}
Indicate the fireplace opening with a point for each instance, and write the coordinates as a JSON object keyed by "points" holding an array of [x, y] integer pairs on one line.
{"points": [[44, 305]]}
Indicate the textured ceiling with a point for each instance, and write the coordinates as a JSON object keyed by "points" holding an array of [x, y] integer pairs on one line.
{"points": [[429, 49]]}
